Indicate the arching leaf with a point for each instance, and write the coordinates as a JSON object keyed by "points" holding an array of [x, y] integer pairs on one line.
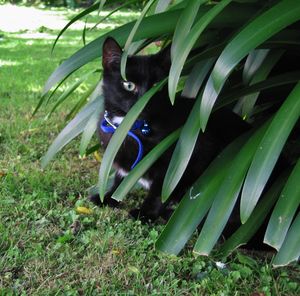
{"points": [[260, 29], [227, 195], [196, 202], [290, 250], [131, 36], [244, 233], [183, 152], [284, 210], [185, 47], [268, 152], [73, 129]]}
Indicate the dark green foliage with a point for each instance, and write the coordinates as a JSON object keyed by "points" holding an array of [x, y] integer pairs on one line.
{"points": [[246, 54]]}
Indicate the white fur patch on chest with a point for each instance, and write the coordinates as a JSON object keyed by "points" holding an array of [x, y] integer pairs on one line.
{"points": [[117, 119], [143, 181], [122, 173]]}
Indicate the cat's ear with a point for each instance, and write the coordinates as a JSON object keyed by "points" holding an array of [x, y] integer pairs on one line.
{"points": [[163, 58], [111, 53]]}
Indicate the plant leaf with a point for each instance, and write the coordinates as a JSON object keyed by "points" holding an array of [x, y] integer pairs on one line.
{"points": [[90, 128], [184, 25], [144, 165], [183, 152], [290, 250], [92, 149], [80, 103], [279, 80], [150, 27], [269, 150], [127, 3], [73, 129], [261, 28], [242, 235], [131, 36], [74, 19], [196, 202], [196, 78], [185, 47], [162, 5], [101, 5], [84, 32], [119, 136], [284, 211], [69, 91], [253, 63], [227, 195], [260, 71], [260, 75]]}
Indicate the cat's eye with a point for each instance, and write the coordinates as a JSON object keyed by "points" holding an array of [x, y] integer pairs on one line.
{"points": [[129, 86]]}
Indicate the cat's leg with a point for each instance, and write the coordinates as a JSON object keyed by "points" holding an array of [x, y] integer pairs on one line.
{"points": [[108, 201], [152, 207]]}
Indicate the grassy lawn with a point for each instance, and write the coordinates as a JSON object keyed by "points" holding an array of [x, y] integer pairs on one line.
{"points": [[46, 248]]}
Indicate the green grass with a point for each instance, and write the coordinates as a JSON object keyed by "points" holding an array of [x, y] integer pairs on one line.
{"points": [[46, 248]]}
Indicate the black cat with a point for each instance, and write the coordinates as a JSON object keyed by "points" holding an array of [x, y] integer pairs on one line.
{"points": [[158, 119]]}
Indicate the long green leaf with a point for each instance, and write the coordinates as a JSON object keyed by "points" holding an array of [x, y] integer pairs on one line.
{"points": [[185, 47], [96, 6], [260, 29], [184, 24], [258, 72], [290, 250], [101, 5], [242, 235], [90, 128], [196, 78], [131, 36], [144, 165], [119, 136], [150, 28], [260, 75], [227, 195], [269, 150], [183, 152], [49, 97], [92, 149], [73, 129], [162, 5], [127, 3], [284, 210], [82, 101], [279, 80], [69, 91], [253, 63], [212, 52], [196, 202], [87, 11]]}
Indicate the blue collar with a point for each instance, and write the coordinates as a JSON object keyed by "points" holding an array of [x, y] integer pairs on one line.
{"points": [[108, 127]]}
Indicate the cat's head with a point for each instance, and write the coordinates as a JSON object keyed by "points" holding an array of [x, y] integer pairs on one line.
{"points": [[142, 72]]}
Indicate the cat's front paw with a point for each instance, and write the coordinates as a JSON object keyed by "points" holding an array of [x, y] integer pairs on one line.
{"points": [[108, 201], [144, 217]]}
